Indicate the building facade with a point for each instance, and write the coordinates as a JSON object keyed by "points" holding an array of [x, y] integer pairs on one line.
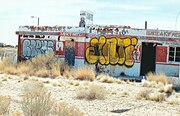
{"points": [[119, 50]]}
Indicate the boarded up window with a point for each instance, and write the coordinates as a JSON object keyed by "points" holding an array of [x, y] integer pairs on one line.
{"points": [[161, 54]]}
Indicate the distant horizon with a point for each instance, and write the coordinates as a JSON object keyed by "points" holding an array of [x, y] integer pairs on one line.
{"points": [[160, 14]]}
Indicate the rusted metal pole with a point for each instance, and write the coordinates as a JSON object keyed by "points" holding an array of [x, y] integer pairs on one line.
{"points": [[19, 49]]}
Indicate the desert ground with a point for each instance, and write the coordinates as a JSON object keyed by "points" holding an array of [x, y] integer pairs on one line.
{"points": [[45, 86], [119, 98]]}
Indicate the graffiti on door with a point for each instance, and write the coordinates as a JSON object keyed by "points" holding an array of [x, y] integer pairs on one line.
{"points": [[111, 51]]}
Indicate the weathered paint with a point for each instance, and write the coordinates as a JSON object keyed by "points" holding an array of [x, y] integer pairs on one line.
{"points": [[33, 47], [111, 51], [117, 51]]}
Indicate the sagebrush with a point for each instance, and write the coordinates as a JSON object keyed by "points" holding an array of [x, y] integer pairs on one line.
{"points": [[4, 104], [36, 99]]}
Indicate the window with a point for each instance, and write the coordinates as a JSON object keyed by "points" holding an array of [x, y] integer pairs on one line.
{"points": [[174, 54]]}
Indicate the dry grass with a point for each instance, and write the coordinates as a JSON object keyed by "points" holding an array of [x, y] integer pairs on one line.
{"points": [[54, 84], [42, 73], [24, 68], [16, 113], [64, 109], [7, 66], [36, 99], [146, 83], [124, 94], [5, 78], [55, 72], [144, 94], [65, 70], [77, 83], [158, 78], [91, 92], [105, 78], [4, 104], [119, 81], [173, 100], [151, 95], [46, 65], [168, 88], [156, 96], [25, 77], [85, 73]]}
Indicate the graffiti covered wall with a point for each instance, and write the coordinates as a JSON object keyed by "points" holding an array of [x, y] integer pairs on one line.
{"points": [[111, 51], [33, 47]]}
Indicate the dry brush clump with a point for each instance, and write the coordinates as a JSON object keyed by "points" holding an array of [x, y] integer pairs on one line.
{"points": [[158, 78], [146, 83], [64, 109], [156, 96], [43, 65], [159, 82], [7, 66], [36, 99], [143, 94], [105, 78], [91, 92], [4, 104], [173, 100], [151, 95], [16, 113], [85, 73]]}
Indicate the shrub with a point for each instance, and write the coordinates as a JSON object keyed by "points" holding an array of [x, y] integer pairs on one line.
{"points": [[24, 68], [105, 78], [64, 69], [158, 78], [36, 99], [143, 94], [173, 100], [150, 95], [146, 83], [124, 94], [7, 66], [168, 88], [91, 92], [42, 72], [156, 96], [160, 87], [64, 109], [43, 65], [4, 104], [119, 81], [16, 113], [85, 73]]}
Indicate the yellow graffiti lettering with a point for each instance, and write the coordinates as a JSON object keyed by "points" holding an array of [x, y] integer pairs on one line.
{"points": [[111, 51], [91, 54]]}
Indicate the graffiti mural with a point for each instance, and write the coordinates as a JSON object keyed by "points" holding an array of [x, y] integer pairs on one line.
{"points": [[137, 53], [111, 51], [33, 47]]}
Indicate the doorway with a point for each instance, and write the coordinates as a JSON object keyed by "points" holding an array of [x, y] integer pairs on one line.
{"points": [[70, 52], [148, 58]]}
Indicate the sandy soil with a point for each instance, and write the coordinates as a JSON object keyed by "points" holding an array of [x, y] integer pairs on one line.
{"points": [[113, 105]]}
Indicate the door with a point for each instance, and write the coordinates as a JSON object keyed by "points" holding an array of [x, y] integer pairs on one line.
{"points": [[148, 58], [70, 52]]}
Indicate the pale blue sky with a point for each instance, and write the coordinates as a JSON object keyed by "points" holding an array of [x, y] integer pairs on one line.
{"points": [[160, 14]]}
